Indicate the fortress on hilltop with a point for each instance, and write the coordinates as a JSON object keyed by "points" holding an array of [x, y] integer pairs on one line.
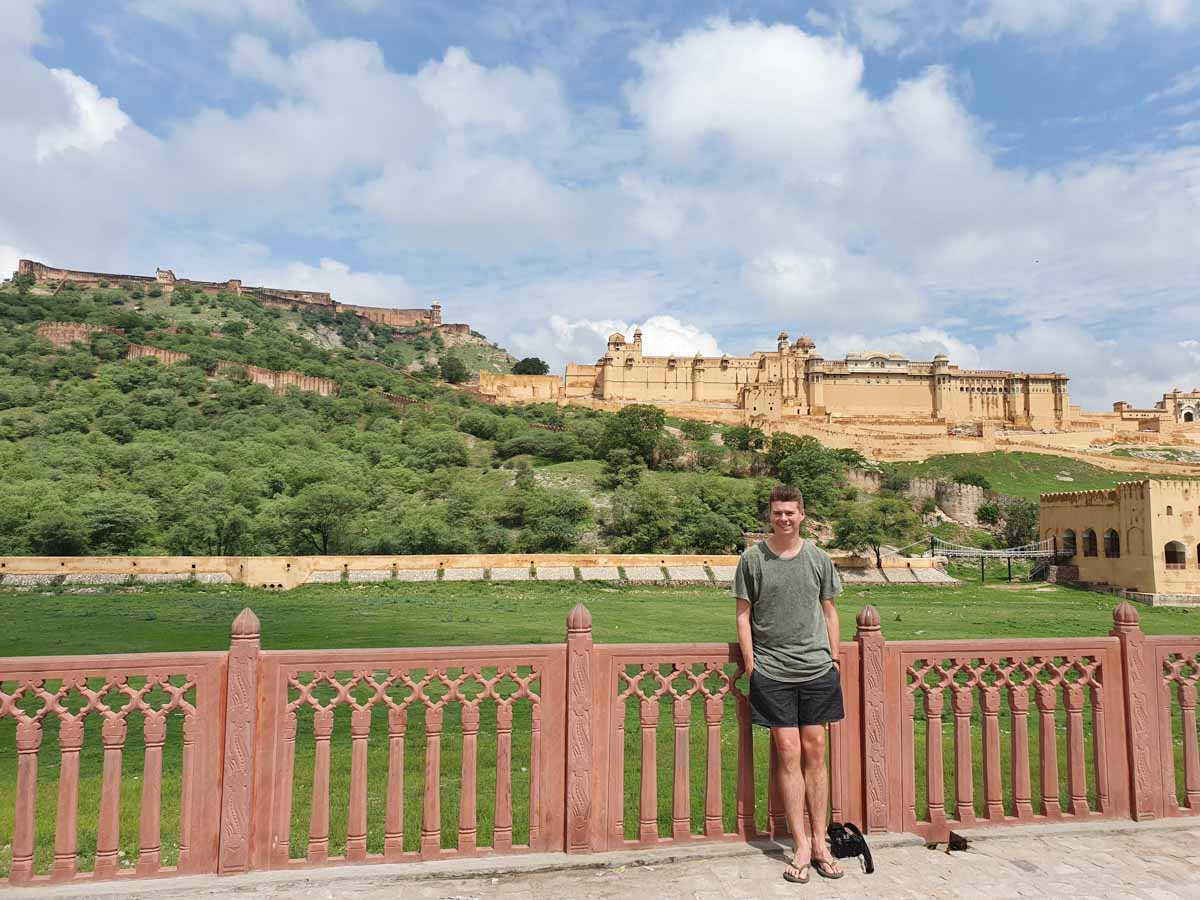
{"points": [[166, 281], [794, 381], [882, 404]]}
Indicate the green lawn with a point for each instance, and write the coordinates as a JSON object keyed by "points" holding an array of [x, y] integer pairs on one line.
{"points": [[136, 620], [1019, 474]]}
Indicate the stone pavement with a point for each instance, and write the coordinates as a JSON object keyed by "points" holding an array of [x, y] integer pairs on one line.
{"points": [[1158, 860]]}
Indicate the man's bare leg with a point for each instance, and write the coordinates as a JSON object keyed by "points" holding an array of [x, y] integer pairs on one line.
{"points": [[816, 779], [792, 789]]}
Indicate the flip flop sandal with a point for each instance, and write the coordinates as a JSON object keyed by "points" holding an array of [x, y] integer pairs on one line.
{"points": [[797, 879], [819, 866]]}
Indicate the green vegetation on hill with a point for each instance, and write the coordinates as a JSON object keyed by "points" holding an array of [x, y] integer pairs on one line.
{"points": [[1018, 474], [100, 454]]}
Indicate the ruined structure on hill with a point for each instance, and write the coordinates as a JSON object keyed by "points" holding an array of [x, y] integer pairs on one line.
{"points": [[167, 281]]}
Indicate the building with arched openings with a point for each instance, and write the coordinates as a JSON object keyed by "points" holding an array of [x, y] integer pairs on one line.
{"points": [[1141, 536]]}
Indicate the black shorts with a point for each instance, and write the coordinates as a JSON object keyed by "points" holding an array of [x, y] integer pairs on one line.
{"points": [[786, 704]]}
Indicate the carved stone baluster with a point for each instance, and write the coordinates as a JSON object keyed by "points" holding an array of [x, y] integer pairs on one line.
{"points": [[356, 825], [318, 829], [1142, 684], [393, 837], [467, 833], [241, 720], [714, 710], [908, 753], [934, 770], [1018, 704], [535, 775], [648, 808], [154, 726], [993, 785], [431, 820], [1191, 753], [29, 740], [1100, 749], [870, 640], [746, 826], [502, 833], [187, 791], [580, 808], [281, 841], [66, 824], [1046, 696], [109, 833], [1076, 762], [681, 795], [963, 701]]}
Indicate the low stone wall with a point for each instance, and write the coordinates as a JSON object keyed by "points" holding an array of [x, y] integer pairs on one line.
{"points": [[286, 572]]}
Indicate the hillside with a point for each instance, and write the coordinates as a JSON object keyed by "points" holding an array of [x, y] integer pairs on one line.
{"points": [[1018, 474], [105, 454]]}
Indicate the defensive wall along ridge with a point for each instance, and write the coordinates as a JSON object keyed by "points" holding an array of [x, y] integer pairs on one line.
{"points": [[286, 572], [167, 282]]}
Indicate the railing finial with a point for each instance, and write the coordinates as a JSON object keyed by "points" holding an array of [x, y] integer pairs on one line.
{"points": [[1125, 616], [868, 619], [246, 625], [579, 619]]}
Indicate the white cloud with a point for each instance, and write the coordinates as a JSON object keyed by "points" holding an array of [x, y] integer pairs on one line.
{"points": [[1086, 20], [286, 16], [661, 336], [920, 345], [20, 23], [1181, 84], [346, 286], [9, 256], [95, 120]]}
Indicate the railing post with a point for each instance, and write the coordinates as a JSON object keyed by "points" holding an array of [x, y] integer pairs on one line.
{"points": [[1140, 683], [241, 704], [581, 805], [874, 721]]}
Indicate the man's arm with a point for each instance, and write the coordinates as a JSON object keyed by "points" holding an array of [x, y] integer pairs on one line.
{"points": [[829, 610], [745, 643]]}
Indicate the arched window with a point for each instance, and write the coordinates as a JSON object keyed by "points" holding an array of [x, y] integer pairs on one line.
{"points": [[1175, 555], [1089, 543], [1170, 511], [1069, 543], [1112, 544], [1189, 416]]}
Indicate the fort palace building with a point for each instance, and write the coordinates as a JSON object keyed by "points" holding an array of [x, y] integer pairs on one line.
{"points": [[794, 380]]}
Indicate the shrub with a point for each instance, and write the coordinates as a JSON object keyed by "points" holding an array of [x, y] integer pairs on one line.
{"points": [[531, 365], [978, 479], [988, 513], [696, 431]]}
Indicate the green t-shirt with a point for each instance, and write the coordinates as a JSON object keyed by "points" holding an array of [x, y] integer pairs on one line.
{"points": [[791, 642]]}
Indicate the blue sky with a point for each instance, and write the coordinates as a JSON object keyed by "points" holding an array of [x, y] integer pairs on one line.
{"points": [[1013, 182]]}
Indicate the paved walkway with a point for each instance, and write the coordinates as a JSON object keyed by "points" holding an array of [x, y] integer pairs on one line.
{"points": [[1158, 860]]}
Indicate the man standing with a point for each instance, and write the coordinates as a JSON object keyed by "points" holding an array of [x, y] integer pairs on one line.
{"points": [[787, 627]]}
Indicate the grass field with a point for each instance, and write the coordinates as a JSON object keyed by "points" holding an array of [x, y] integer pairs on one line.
{"points": [[1019, 474], [164, 619]]}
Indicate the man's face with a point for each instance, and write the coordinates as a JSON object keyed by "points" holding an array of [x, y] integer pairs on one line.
{"points": [[786, 517]]}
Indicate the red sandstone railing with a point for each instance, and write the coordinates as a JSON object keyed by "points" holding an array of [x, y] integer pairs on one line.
{"points": [[459, 752]]}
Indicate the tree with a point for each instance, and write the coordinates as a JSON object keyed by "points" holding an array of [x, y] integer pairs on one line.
{"points": [[988, 513], [58, 532], [1020, 523], [694, 430], [885, 520], [805, 464], [621, 469], [116, 521], [453, 369], [530, 365], [740, 437], [319, 516], [642, 520], [637, 428]]}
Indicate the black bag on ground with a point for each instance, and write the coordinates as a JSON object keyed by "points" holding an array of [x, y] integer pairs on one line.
{"points": [[846, 841]]}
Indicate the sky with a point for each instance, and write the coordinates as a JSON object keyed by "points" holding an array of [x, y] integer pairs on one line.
{"points": [[1015, 183]]}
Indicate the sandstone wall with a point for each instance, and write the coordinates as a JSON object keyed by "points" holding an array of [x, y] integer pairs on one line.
{"points": [[64, 334], [279, 381], [284, 572], [166, 357]]}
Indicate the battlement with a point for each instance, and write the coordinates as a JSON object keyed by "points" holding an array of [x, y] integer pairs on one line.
{"points": [[168, 282]]}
